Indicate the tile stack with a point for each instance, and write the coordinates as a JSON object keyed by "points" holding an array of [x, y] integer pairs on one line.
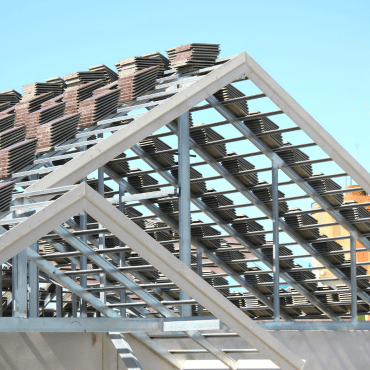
{"points": [[205, 136], [353, 214], [57, 81], [56, 131], [40, 117], [128, 66], [323, 185], [283, 251], [234, 166], [12, 136], [140, 181], [230, 92], [216, 201], [199, 231], [288, 301], [17, 156], [136, 260], [5, 106], [10, 96], [291, 156], [265, 195], [360, 271], [107, 75], [6, 190], [6, 121], [216, 281], [160, 236], [137, 83], [97, 107], [73, 96], [329, 246], [153, 145], [332, 298], [39, 88], [256, 307], [121, 167], [243, 227], [296, 221], [238, 300], [132, 213], [193, 56], [196, 188], [303, 304], [262, 125], [80, 78], [169, 206], [231, 258], [300, 276]]}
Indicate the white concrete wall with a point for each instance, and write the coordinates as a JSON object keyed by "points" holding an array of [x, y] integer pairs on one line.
{"points": [[79, 351]]}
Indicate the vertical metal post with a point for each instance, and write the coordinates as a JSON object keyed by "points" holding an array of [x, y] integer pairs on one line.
{"points": [[200, 273], [59, 300], [353, 280], [33, 284], [184, 201], [275, 251], [19, 292], [1, 290], [83, 263], [103, 278], [75, 299], [122, 258]]}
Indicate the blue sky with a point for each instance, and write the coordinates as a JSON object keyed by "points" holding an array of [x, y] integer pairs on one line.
{"points": [[318, 51]]}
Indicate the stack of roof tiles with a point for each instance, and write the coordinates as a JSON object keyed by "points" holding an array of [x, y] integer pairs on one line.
{"points": [[237, 165], [80, 78], [56, 131], [298, 220], [121, 167], [262, 125], [300, 276], [97, 107], [243, 226], [323, 185], [6, 190], [6, 121], [169, 206], [128, 66], [10, 96], [12, 136], [265, 195], [39, 88], [140, 181], [137, 83], [324, 246], [219, 200], [353, 214], [230, 92], [107, 75], [160, 236], [57, 81], [231, 257], [205, 136], [73, 96], [216, 281], [153, 145], [198, 187], [291, 156], [283, 251], [193, 56], [199, 231], [17, 156]]}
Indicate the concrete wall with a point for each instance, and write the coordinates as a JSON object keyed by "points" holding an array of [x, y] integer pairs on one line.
{"points": [[325, 350]]}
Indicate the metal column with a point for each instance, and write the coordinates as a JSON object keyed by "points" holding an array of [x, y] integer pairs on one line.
{"points": [[200, 273], [184, 202], [59, 300], [353, 280], [122, 258], [83, 263], [275, 227], [33, 283], [19, 284]]}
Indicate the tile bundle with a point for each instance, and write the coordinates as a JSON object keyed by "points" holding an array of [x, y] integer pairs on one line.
{"points": [[140, 181], [17, 156], [199, 231], [193, 56], [216, 281], [39, 88], [6, 121], [265, 195], [296, 221], [153, 145], [283, 251], [256, 307], [136, 260], [137, 84], [234, 166], [10, 96], [160, 236], [329, 246], [35, 119], [198, 187], [97, 107], [230, 92], [5, 106], [107, 75], [291, 156], [231, 257], [243, 227], [303, 275], [73, 96], [56, 131], [205, 136], [323, 185], [12, 136], [57, 81], [169, 206], [362, 283], [6, 190], [219, 200], [128, 66], [262, 125], [121, 167], [353, 214], [80, 78]]}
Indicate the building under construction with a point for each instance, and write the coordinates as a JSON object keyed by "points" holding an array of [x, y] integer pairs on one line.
{"points": [[152, 219]]}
